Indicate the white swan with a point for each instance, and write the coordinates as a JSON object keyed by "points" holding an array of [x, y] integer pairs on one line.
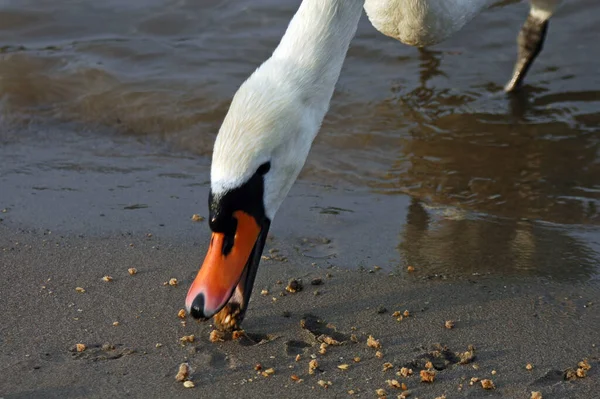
{"points": [[274, 116]]}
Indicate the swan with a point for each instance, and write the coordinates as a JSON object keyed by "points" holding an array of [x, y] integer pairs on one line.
{"points": [[274, 116]]}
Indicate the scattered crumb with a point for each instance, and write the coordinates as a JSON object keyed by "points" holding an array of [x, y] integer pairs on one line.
{"points": [[197, 218], [181, 314], [329, 340], [493, 372], [584, 364], [188, 384], [356, 359], [404, 395], [387, 366], [487, 384], [80, 347], [394, 384], [264, 292], [268, 372], [351, 392], [380, 392], [427, 375], [449, 324], [379, 355], [173, 282], [294, 286], [312, 366], [324, 384], [410, 269], [581, 373], [295, 378], [158, 345], [183, 373], [258, 367], [343, 366], [132, 271], [428, 365], [80, 290], [404, 372], [216, 336], [529, 367], [397, 313], [298, 357], [187, 338], [536, 395], [406, 313], [403, 387], [237, 334], [441, 397], [107, 278], [115, 323], [466, 357], [323, 348], [570, 374], [354, 338], [373, 343]]}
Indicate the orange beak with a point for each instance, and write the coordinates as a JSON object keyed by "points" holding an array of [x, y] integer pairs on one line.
{"points": [[220, 274]]}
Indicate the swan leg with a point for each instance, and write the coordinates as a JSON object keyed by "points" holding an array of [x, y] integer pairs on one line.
{"points": [[530, 42]]}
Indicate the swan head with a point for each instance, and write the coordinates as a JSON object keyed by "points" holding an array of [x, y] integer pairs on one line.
{"points": [[258, 153]]}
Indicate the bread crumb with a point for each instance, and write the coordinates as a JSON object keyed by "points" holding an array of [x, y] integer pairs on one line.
{"points": [[529, 366], [158, 345], [387, 366], [197, 218], [410, 269], [115, 323], [466, 357], [379, 355], [268, 372], [237, 334], [394, 384], [351, 392], [397, 313], [536, 395], [343, 366], [181, 314], [380, 392], [294, 286], [373, 343], [354, 338], [487, 384], [107, 278], [173, 282], [404, 372], [324, 384], [264, 292], [187, 338], [80, 347], [428, 365], [403, 387], [323, 348], [581, 373], [295, 378], [441, 397], [449, 324], [188, 384], [183, 373], [132, 271], [80, 290], [312, 366], [216, 336], [473, 380], [356, 359], [406, 313], [298, 357], [427, 375], [404, 395], [584, 364], [329, 340]]}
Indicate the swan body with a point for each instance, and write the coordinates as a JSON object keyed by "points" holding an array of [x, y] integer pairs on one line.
{"points": [[422, 22], [275, 115]]}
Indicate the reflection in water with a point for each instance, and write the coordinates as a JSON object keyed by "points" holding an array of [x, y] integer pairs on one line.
{"points": [[439, 241]]}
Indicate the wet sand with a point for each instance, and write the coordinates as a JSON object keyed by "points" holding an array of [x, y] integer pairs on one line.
{"points": [[60, 232]]}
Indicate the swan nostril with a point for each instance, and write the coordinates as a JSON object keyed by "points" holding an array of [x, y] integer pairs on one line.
{"points": [[197, 310]]}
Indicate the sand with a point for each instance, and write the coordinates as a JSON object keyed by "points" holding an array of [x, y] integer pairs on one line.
{"points": [[56, 240]]}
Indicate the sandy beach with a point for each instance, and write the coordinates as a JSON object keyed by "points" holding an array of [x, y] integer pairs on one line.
{"points": [[137, 215]]}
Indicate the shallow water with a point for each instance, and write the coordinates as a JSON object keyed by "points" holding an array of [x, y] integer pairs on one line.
{"points": [[434, 124]]}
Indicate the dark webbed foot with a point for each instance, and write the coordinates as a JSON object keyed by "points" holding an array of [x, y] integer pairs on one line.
{"points": [[530, 42]]}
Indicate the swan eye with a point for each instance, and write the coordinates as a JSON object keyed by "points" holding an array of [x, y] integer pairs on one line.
{"points": [[264, 168]]}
